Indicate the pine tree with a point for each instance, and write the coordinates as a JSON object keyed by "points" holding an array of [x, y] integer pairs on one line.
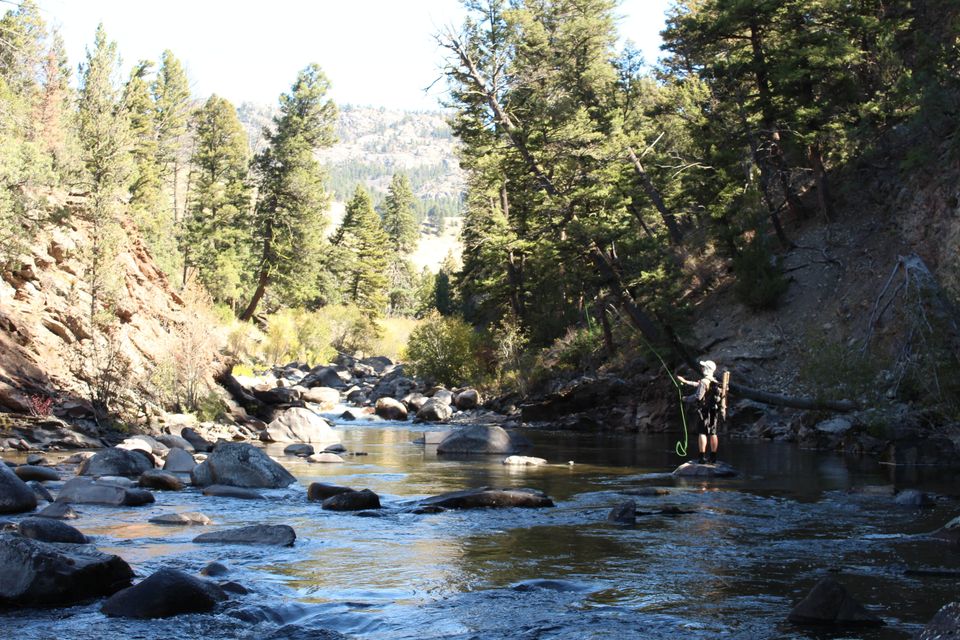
{"points": [[365, 250], [398, 219], [291, 202], [171, 95]]}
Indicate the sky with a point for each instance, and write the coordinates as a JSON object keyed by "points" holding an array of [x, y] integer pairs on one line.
{"points": [[375, 52]]}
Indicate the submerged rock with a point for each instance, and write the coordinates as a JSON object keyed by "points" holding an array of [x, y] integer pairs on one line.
{"points": [[34, 573], [696, 470], [50, 530], [15, 495], [214, 569], [352, 501], [280, 535], [624, 513], [477, 439], [485, 497], [324, 457], [168, 592], [116, 462], [828, 603], [914, 498], [187, 518], [226, 491], [240, 465]]}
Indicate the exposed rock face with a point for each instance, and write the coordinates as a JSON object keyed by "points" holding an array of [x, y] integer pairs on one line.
{"points": [[187, 518], [352, 501], [321, 491], [88, 491], [168, 592], [49, 530], [477, 439], [299, 425], [828, 603], [116, 462], [163, 480], [467, 399], [240, 465], [945, 624], [486, 497], [280, 535], [434, 411], [34, 573], [15, 495], [391, 409], [179, 461]]}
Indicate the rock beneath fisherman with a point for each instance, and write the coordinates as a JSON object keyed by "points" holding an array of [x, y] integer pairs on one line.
{"points": [[485, 497], [168, 592], [390, 409], [226, 491], [179, 461], [914, 498], [945, 624], [325, 458], [434, 411], [828, 603], [34, 573], [163, 480], [240, 465], [467, 399], [696, 470], [15, 495], [58, 511], [477, 439], [524, 461], [185, 519], [88, 491], [116, 462], [27, 472], [279, 535], [624, 513], [299, 449], [352, 501], [325, 397], [49, 530], [299, 425], [321, 491], [198, 442]]}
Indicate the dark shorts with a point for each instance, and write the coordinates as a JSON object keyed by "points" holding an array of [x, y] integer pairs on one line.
{"points": [[708, 425]]}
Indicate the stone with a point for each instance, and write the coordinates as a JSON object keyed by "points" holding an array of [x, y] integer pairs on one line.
{"points": [[335, 448], [88, 491], [467, 399], [40, 491], [175, 442], [34, 573], [390, 409], [145, 444], [834, 426], [828, 603], [116, 462], [168, 592], [50, 530], [214, 569], [414, 401], [326, 397], [324, 458], [647, 491], [321, 491], [624, 513], [186, 519], [240, 465], [914, 498], [300, 449], [434, 437], [79, 457], [442, 396], [226, 491], [199, 442], [485, 497], [323, 377], [299, 425], [950, 531], [58, 511], [378, 363], [179, 461], [277, 395], [38, 459], [163, 480], [477, 439], [41, 474], [696, 470], [279, 535], [15, 495], [352, 501], [945, 624], [524, 461], [234, 587], [434, 411], [296, 632]]}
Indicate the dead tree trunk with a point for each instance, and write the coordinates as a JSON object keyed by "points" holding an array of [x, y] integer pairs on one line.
{"points": [[669, 220]]}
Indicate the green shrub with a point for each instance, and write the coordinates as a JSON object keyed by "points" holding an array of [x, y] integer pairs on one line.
{"points": [[446, 350], [760, 279]]}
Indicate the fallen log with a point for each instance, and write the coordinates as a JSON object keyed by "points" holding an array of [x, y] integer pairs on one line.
{"points": [[792, 401]]}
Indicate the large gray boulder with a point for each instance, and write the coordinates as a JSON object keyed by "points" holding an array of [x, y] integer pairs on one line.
{"points": [[49, 530], [352, 501], [828, 603], [434, 410], [89, 491], [322, 491], [299, 425], [198, 441], [467, 399], [326, 397], [175, 442], [34, 573], [143, 443], [477, 439], [28, 472], [15, 495], [116, 462], [162, 480], [168, 592], [485, 497], [390, 409], [239, 464], [179, 461], [323, 377], [280, 535]]}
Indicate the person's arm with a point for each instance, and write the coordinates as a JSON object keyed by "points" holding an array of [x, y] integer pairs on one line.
{"points": [[689, 383]]}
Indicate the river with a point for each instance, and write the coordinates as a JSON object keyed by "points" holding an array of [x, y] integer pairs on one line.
{"points": [[751, 549]]}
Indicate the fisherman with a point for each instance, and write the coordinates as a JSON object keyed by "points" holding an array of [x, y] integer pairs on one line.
{"points": [[709, 400]]}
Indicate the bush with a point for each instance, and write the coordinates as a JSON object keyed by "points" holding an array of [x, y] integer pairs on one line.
{"points": [[760, 279], [446, 350]]}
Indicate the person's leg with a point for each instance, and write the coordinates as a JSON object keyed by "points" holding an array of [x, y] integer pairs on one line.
{"points": [[702, 442], [714, 443]]}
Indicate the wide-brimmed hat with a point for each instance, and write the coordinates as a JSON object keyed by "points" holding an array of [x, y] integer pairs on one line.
{"points": [[709, 367]]}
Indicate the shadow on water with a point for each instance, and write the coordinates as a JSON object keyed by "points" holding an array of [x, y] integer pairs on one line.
{"points": [[732, 565]]}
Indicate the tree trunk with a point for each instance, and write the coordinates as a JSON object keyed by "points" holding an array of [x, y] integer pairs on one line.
{"points": [[823, 184], [676, 236], [791, 401], [262, 283], [608, 345]]}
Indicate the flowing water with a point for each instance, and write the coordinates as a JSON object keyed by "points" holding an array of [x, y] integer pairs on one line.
{"points": [[752, 547]]}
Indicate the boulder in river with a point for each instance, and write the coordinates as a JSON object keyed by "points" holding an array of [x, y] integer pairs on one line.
{"points": [[199, 442], [945, 624], [434, 410], [179, 461], [828, 603], [34, 573], [88, 491], [168, 592], [226, 491], [299, 449], [240, 464], [914, 498], [477, 439], [175, 442], [322, 491], [324, 458], [116, 462], [524, 461], [697, 470], [163, 480], [49, 530], [214, 570], [58, 511], [326, 397], [280, 535], [467, 399], [185, 519], [950, 531], [27, 472], [15, 495], [352, 501], [624, 513], [486, 497], [390, 409], [40, 491], [298, 424], [143, 443], [323, 377]]}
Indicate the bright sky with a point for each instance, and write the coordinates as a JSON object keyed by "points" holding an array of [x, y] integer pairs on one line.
{"points": [[375, 52]]}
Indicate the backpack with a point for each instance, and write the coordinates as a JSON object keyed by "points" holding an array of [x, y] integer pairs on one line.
{"points": [[713, 400]]}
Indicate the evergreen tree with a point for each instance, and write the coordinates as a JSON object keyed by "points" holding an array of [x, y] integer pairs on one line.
{"points": [[171, 95], [398, 219], [364, 247], [291, 201]]}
